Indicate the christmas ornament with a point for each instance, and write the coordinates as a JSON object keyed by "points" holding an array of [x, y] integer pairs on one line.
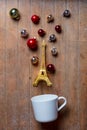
{"points": [[34, 60], [32, 43], [51, 68], [58, 28], [66, 13], [42, 75], [54, 51], [35, 19], [24, 33], [52, 38], [50, 18], [14, 13], [41, 32]]}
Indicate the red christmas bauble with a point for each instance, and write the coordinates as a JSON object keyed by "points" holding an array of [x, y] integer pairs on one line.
{"points": [[41, 32], [58, 28], [35, 19], [32, 43], [51, 68]]}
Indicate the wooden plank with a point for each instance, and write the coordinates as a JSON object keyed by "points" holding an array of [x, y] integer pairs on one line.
{"points": [[83, 20], [83, 85], [23, 67], [83, 62], [3, 103], [70, 90], [11, 69]]}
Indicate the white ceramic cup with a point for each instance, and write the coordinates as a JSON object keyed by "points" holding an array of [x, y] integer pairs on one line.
{"points": [[45, 107]]}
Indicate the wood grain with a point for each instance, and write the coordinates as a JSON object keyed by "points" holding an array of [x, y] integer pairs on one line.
{"points": [[17, 73]]}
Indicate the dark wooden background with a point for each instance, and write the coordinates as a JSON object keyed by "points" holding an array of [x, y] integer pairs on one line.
{"points": [[17, 72]]}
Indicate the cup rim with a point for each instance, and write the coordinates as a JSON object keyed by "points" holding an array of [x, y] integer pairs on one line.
{"points": [[37, 98]]}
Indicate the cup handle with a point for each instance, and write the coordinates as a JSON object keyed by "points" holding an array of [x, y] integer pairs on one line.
{"points": [[65, 101]]}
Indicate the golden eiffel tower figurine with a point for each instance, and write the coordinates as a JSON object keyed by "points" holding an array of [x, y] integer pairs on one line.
{"points": [[42, 75]]}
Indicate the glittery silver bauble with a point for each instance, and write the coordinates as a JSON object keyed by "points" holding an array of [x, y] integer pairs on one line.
{"points": [[54, 51], [24, 33]]}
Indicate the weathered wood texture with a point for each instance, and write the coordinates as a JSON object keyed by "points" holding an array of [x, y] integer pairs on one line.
{"points": [[17, 73]]}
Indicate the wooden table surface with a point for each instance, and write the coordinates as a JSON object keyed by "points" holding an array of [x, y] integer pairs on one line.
{"points": [[17, 73]]}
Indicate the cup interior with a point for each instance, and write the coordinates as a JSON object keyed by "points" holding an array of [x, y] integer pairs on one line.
{"points": [[44, 97]]}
